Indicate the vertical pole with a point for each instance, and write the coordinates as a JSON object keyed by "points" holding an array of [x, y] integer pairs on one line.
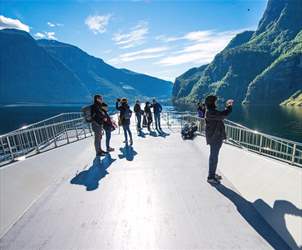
{"points": [[89, 127], [84, 132], [36, 141], [294, 154], [10, 148], [239, 139], [54, 136], [66, 132], [76, 129], [260, 146]]}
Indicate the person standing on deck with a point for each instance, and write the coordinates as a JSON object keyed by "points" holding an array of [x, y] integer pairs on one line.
{"points": [[108, 126], [125, 116], [201, 110], [138, 113], [215, 133], [157, 108], [148, 115], [98, 116]]}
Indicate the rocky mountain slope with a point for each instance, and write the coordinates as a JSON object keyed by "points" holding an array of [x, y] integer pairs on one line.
{"points": [[50, 72], [261, 67]]}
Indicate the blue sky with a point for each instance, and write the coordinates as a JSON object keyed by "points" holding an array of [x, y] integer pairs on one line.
{"points": [[159, 38]]}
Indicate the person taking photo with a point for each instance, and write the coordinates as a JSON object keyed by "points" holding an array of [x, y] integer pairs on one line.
{"points": [[215, 133]]}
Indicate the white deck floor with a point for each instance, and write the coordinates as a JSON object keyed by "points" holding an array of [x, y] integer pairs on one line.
{"points": [[151, 196]]}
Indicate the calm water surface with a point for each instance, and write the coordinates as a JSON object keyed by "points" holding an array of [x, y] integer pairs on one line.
{"points": [[285, 122]]}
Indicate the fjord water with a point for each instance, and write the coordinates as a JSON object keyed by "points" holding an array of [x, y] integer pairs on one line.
{"points": [[285, 122]]}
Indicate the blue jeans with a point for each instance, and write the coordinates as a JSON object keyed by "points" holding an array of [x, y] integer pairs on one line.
{"points": [[157, 120], [213, 160], [108, 137], [127, 131], [139, 121]]}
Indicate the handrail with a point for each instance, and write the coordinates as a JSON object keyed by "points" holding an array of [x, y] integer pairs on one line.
{"points": [[239, 125], [42, 136], [238, 135], [51, 133]]}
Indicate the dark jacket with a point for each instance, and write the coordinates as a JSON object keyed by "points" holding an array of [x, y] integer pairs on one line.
{"points": [[215, 130], [98, 113], [148, 113], [137, 109], [157, 108], [123, 108], [107, 123]]}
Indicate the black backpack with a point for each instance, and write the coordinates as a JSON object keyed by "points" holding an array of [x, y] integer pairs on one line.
{"points": [[87, 113]]}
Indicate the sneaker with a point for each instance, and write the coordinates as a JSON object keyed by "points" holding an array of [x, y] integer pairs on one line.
{"points": [[131, 142], [213, 181], [218, 177], [110, 149]]}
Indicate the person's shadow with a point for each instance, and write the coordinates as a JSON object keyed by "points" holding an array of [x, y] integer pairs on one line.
{"points": [[91, 177], [127, 153], [250, 214]]}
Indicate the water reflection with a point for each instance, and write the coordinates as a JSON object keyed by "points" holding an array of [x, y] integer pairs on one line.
{"points": [[285, 122]]}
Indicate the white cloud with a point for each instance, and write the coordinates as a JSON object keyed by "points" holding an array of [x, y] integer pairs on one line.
{"points": [[51, 35], [6, 22], [140, 55], [40, 35], [201, 47], [46, 35], [51, 24], [135, 37], [97, 24]]}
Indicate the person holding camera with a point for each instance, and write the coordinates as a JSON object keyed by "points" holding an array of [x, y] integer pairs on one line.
{"points": [[125, 116], [215, 133]]}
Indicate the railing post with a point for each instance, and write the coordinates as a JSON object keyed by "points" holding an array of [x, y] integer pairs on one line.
{"points": [[260, 146], [89, 127], [77, 134], [239, 139], [294, 154], [36, 141], [10, 148], [84, 131], [54, 136], [66, 132]]}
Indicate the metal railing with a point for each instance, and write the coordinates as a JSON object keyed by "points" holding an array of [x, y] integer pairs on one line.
{"points": [[68, 127], [246, 138], [41, 136]]}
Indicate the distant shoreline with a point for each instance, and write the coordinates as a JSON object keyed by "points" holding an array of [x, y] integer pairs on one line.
{"points": [[43, 105]]}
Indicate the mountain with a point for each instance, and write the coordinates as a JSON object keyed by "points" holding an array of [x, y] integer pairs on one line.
{"points": [[28, 74], [101, 77], [256, 67], [51, 72]]}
